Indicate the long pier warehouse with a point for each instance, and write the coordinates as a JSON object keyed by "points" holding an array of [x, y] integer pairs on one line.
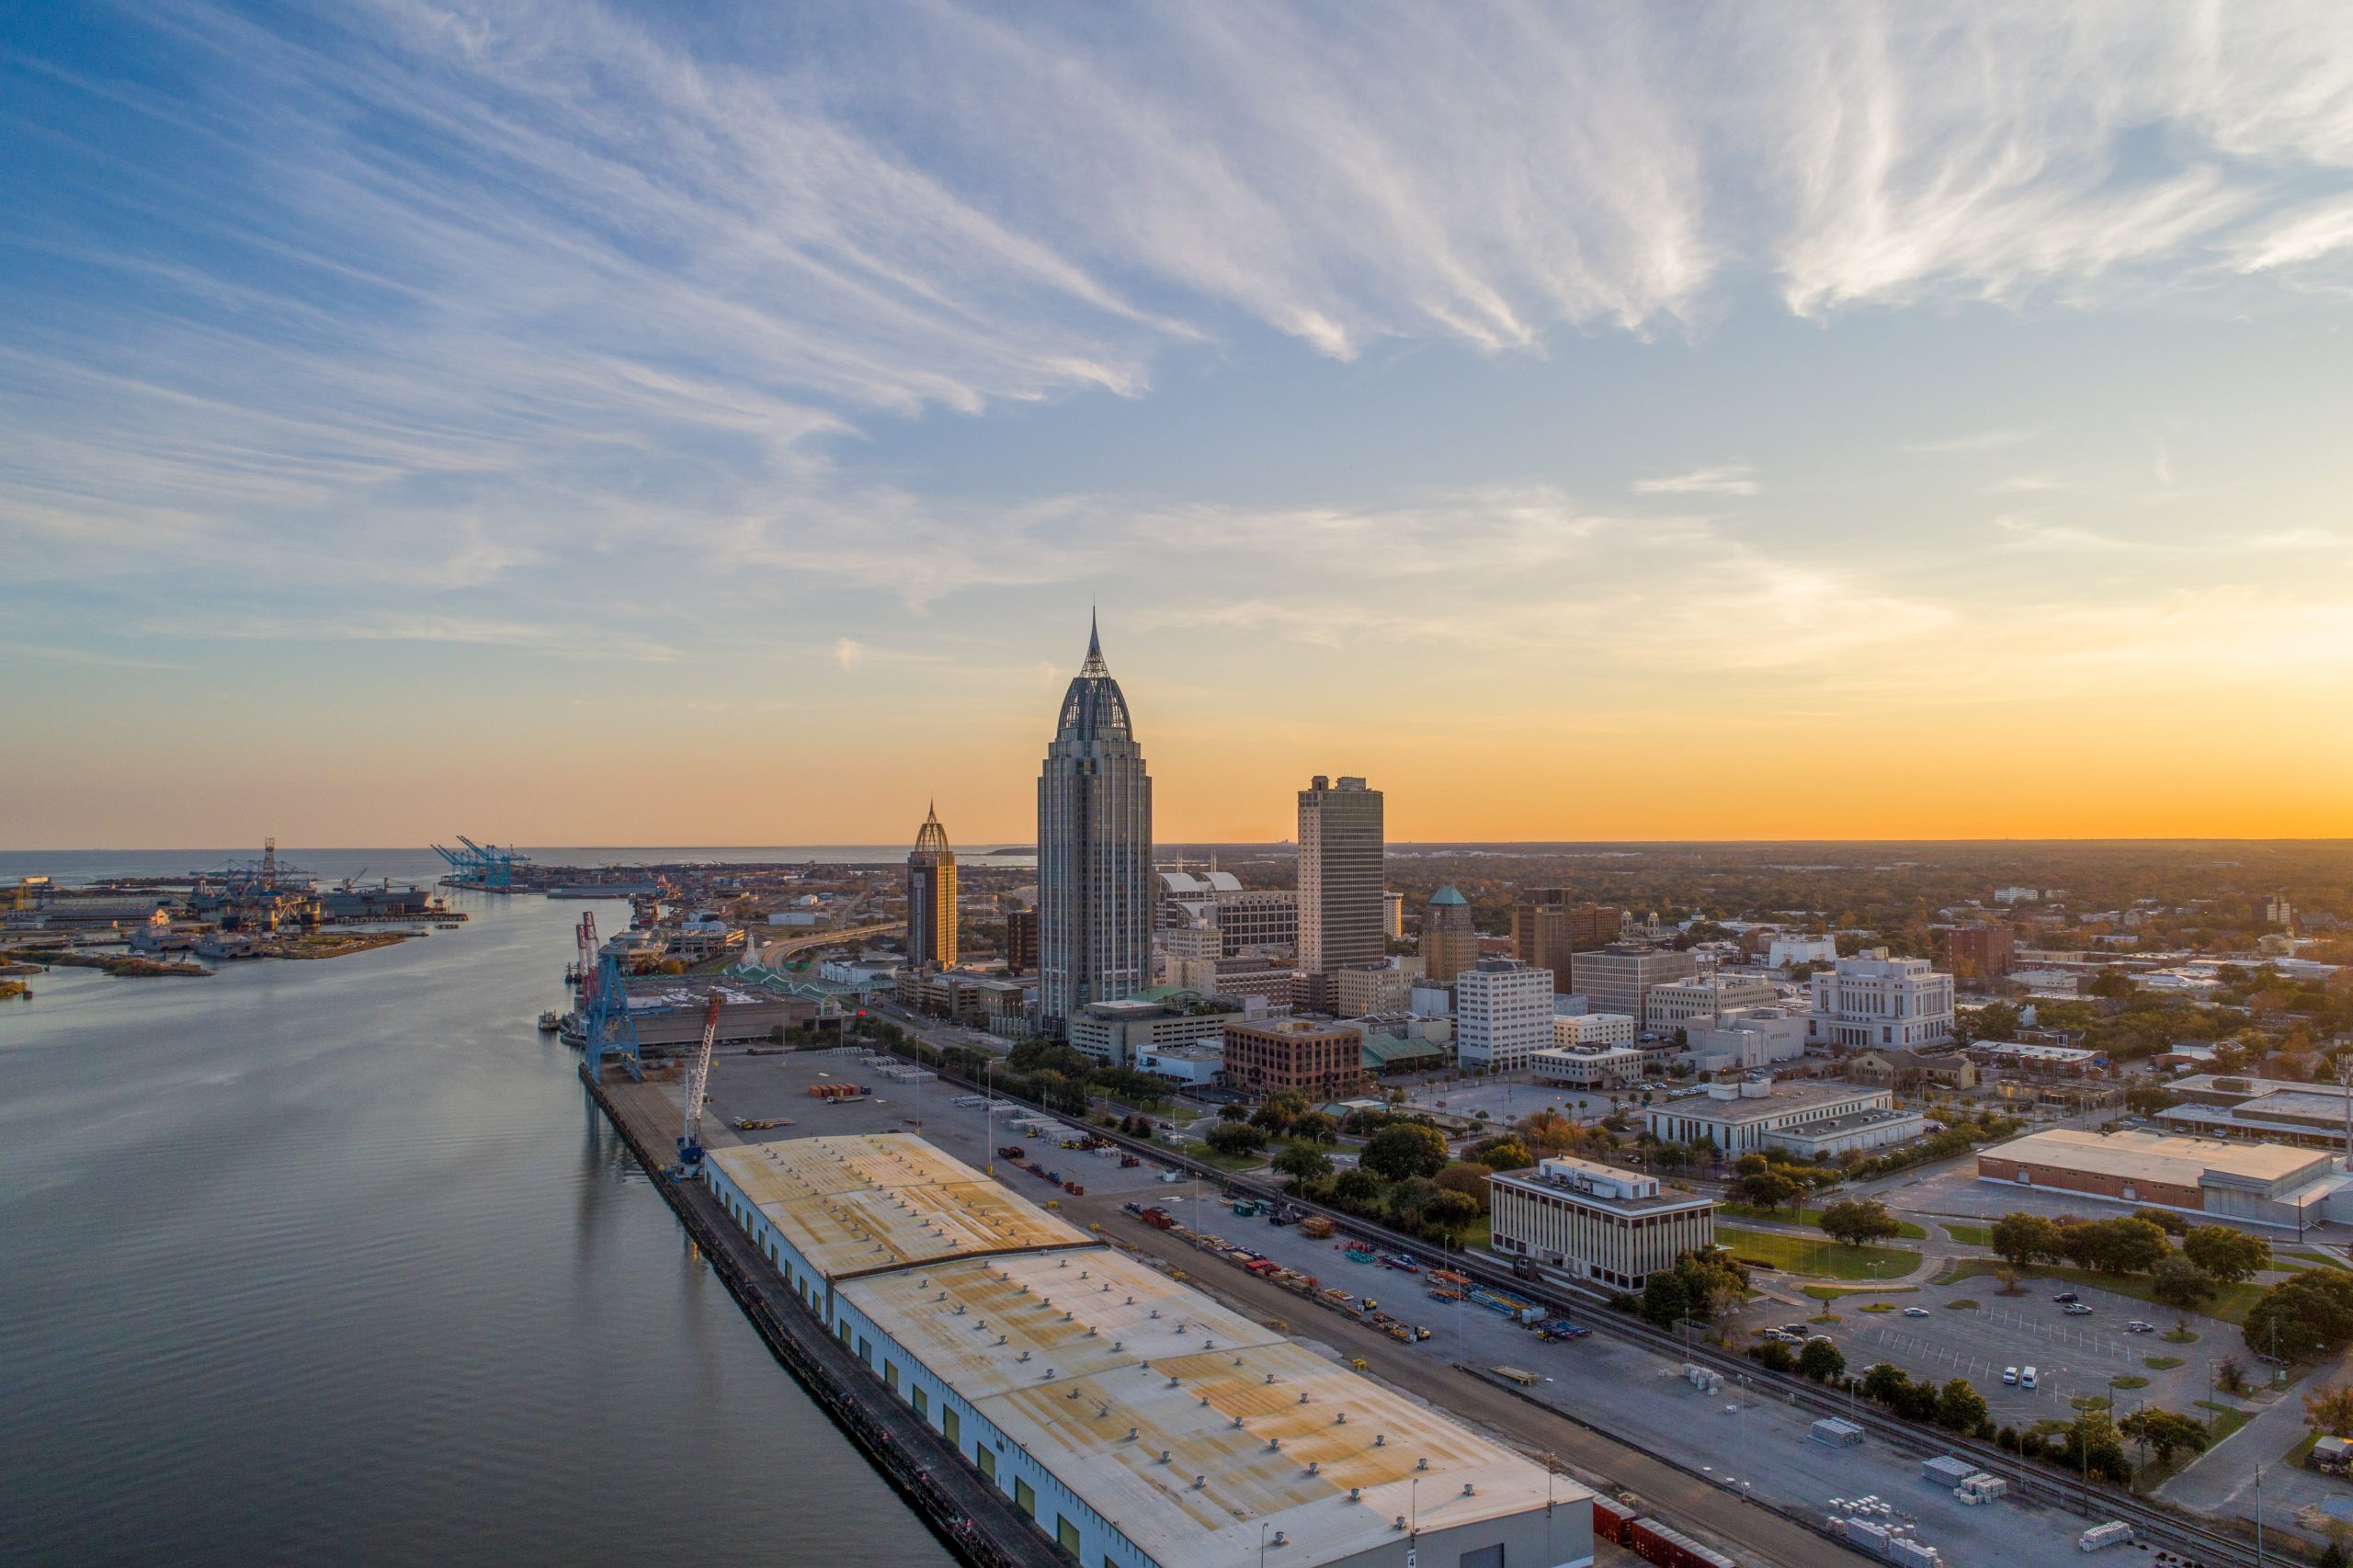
{"points": [[1141, 1424]]}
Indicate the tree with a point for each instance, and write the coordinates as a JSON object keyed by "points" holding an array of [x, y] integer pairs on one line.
{"points": [[2231, 1373], [2163, 1432], [2114, 1247], [1547, 1131], [2224, 1254], [2022, 1240], [1303, 1163], [1856, 1222], [1411, 1201], [1960, 1407], [1503, 1153], [1773, 1355], [2164, 1220], [2180, 1284], [1232, 1113], [2304, 1316], [2330, 1410], [1403, 1150], [1356, 1188], [1316, 1127], [1766, 1190], [2112, 985], [1234, 1138], [1881, 1382], [1451, 1213], [1821, 1360], [1469, 1178], [1664, 1300]]}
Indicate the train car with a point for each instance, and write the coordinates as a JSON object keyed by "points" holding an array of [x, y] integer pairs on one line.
{"points": [[1610, 1520], [1670, 1548]]}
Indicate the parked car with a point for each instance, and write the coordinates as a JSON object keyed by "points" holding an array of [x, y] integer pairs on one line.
{"points": [[1916, 1311], [2011, 1376], [2025, 1378], [2077, 1310], [2066, 1298], [2137, 1326]]}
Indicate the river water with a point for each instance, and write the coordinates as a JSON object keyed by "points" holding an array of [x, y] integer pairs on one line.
{"points": [[334, 1261]]}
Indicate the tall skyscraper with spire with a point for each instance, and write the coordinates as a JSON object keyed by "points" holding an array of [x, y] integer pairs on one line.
{"points": [[1095, 884], [931, 897]]}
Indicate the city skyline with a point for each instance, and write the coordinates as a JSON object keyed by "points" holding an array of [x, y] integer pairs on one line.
{"points": [[771, 383]]}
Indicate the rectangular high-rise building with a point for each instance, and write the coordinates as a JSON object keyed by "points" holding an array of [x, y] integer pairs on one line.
{"points": [[1503, 1015], [1341, 900], [1621, 977], [931, 898], [1547, 929]]}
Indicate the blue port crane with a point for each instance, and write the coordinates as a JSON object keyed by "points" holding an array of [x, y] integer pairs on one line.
{"points": [[609, 1029], [698, 1075], [482, 865]]}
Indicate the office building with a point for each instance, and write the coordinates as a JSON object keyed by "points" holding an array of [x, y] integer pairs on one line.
{"points": [[1197, 1435], [1363, 991], [1322, 1061], [1503, 1015], [931, 898], [1449, 942], [1815, 1121], [1590, 1066], [1979, 952], [1548, 930], [1696, 1004], [1786, 952], [1340, 895], [1573, 1030], [1873, 999], [1596, 1222], [1252, 920], [1746, 1039], [1392, 916], [1021, 940], [1096, 889], [1619, 978], [1117, 1033]]}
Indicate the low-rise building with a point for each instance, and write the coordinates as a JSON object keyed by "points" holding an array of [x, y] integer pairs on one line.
{"points": [[1195, 1066], [1114, 1033], [1571, 1030], [1321, 1060], [1360, 991], [1590, 1066], [1909, 1069], [1698, 1003], [1813, 1121], [1596, 1222], [2263, 1184], [2015, 1059], [1748, 1039]]}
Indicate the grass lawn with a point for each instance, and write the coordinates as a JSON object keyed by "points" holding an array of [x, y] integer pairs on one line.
{"points": [[1824, 1259], [1903, 1227], [1969, 1236], [1962, 1304], [2128, 1380], [1833, 1292], [2320, 1258], [2179, 1336], [2230, 1302], [1203, 1152], [2162, 1363], [2223, 1420]]}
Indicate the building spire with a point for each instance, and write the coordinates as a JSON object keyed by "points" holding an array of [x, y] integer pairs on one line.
{"points": [[1095, 665]]}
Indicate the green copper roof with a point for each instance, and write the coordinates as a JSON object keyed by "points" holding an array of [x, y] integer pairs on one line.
{"points": [[1448, 895]]}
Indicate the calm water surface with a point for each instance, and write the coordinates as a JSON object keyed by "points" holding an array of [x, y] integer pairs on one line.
{"points": [[334, 1262]]}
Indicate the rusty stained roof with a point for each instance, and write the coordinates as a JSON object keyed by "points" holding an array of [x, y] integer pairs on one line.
{"points": [[880, 1201], [1273, 1433]]}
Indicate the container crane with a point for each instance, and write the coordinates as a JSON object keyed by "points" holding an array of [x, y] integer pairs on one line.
{"points": [[698, 1074]]}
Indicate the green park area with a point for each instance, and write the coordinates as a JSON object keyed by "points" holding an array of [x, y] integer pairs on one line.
{"points": [[1903, 1227], [1818, 1259]]}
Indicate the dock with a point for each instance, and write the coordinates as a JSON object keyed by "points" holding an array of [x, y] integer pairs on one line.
{"points": [[975, 1519]]}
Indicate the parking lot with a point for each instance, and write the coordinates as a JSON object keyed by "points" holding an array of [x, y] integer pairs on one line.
{"points": [[1506, 1101], [2074, 1356]]}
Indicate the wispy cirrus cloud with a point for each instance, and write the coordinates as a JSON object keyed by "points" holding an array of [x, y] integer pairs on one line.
{"points": [[1731, 478]]}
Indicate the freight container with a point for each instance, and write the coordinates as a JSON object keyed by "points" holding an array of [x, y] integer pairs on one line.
{"points": [[1655, 1542], [2116, 1533], [1611, 1520]]}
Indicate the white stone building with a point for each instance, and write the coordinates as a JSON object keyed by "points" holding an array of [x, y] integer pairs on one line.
{"points": [[1874, 1000]]}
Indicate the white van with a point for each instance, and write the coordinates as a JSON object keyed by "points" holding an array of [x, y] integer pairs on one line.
{"points": [[2025, 1379], [2011, 1376]]}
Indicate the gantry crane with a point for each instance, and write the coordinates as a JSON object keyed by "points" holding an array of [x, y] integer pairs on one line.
{"points": [[698, 1074]]}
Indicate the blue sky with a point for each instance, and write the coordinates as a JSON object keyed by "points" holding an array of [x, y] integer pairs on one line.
{"points": [[1593, 421]]}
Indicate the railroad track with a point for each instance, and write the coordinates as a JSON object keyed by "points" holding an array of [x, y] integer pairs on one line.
{"points": [[2095, 1501]]}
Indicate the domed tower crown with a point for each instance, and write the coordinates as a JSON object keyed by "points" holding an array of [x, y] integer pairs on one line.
{"points": [[931, 838], [1094, 708]]}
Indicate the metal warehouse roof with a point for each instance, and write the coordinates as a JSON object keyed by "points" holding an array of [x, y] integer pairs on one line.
{"points": [[1097, 1366], [2157, 1156], [883, 1200]]}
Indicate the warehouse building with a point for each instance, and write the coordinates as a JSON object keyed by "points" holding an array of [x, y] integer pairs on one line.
{"points": [[1142, 1424], [1815, 1121], [2264, 1184]]}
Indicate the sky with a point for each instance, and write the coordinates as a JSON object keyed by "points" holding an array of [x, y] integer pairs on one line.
{"points": [[646, 423]]}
